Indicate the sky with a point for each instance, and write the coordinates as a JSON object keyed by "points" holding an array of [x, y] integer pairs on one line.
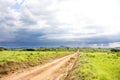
{"points": [[54, 23]]}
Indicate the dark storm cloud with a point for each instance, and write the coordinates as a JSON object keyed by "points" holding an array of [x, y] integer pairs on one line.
{"points": [[25, 38], [99, 40], [103, 39], [25, 35]]}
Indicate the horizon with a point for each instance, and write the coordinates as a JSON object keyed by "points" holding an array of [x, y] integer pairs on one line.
{"points": [[55, 23]]}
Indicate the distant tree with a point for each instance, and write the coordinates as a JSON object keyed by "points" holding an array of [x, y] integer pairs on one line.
{"points": [[2, 49], [115, 50], [29, 49]]}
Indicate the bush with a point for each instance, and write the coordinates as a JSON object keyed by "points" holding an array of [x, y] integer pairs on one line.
{"points": [[118, 54], [30, 49], [2, 48], [115, 50]]}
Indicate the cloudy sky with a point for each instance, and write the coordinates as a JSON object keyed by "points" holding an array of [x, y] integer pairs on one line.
{"points": [[53, 23]]}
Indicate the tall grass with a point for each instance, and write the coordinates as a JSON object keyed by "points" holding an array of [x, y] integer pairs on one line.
{"points": [[14, 60], [97, 66], [23, 56]]}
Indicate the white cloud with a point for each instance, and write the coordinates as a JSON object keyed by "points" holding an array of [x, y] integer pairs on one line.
{"points": [[75, 15], [81, 13], [61, 19], [114, 44]]}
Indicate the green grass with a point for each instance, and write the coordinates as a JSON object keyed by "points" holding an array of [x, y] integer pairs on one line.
{"points": [[14, 60], [97, 66], [23, 56]]}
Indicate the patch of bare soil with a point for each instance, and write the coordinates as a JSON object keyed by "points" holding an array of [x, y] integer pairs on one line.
{"points": [[58, 69]]}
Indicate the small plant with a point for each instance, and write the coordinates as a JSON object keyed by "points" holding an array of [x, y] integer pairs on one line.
{"points": [[118, 54]]}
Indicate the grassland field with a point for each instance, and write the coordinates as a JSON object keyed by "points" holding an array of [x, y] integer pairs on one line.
{"points": [[92, 64], [10, 61], [101, 65]]}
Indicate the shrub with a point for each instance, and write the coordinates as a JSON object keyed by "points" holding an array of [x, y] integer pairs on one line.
{"points": [[115, 50], [2, 48], [30, 49], [118, 54]]}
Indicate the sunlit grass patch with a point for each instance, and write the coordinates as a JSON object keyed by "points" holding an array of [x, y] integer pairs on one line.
{"points": [[97, 66]]}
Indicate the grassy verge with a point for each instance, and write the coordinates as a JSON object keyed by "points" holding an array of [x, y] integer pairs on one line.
{"points": [[11, 61], [97, 66]]}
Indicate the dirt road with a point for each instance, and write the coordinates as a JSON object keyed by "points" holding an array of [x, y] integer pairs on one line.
{"points": [[55, 70]]}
